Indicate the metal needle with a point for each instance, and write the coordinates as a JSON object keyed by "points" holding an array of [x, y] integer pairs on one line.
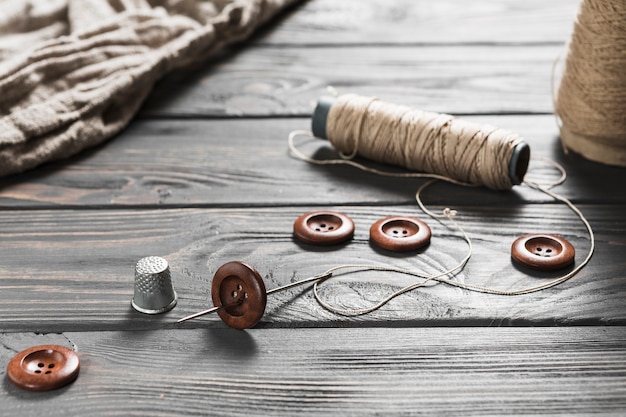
{"points": [[297, 283], [284, 287], [201, 313]]}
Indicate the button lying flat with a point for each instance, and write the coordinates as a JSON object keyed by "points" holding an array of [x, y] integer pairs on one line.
{"points": [[43, 368], [543, 252], [240, 289], [323, 228], [400, 234]]}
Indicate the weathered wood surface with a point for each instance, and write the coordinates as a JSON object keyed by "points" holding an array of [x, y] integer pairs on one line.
{"points": [[410, 371], [73, 270], [203, 177], [287, 80], [358, 22], [174, 163], [447, 56]]}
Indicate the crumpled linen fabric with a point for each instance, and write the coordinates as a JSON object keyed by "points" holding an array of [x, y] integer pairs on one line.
{"points": [[73, 73]]}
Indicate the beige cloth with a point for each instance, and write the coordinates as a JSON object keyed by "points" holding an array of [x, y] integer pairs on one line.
{"points": [[74, 72]]}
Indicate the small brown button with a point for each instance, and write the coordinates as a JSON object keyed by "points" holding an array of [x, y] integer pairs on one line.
{"points": [[543, 252], [400, 234], [43, 368], [323, 228], [241, 290]]}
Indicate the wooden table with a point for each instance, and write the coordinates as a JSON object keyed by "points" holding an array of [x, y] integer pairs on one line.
{"points": [[203, 176]]}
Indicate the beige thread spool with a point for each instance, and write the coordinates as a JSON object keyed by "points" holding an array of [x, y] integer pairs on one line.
{"points": [[591, 100], [422, 141]]}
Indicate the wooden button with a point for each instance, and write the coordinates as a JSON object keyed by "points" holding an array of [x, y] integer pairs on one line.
{"points": [[43, 368], [543, 252], [323, 228], [239, 288], [400, 234]]}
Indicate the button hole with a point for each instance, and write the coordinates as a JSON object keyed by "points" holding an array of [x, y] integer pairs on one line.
{"points": [[234, 294], [48, 372], [51, 366], [41, 365], [38, 371]]}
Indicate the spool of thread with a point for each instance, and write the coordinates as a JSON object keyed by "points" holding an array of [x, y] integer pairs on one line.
{"points": [[422, 141], [591, 100]]}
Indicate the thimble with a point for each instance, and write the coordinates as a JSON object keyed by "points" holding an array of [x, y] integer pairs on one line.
{"points": [[154, 292]]}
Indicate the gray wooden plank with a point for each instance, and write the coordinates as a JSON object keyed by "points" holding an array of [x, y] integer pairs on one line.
{"points": [[174, 163], [73, 270], [286, 80], [354, 22], [409, 371]]}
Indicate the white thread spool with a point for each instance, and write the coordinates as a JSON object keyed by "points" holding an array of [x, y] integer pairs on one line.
{"points": [[508, 164]]}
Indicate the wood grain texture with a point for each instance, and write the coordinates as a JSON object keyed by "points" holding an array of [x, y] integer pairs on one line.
{"points": [[73, 270], [357, 22], [409, 371], [489, 57], [203, 177], [178, 163], [286, 81]]}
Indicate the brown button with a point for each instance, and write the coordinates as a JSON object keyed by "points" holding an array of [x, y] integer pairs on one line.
{"points": [[323, 228], [43, 368], [543, 252], [241, 290], [400, 234]]}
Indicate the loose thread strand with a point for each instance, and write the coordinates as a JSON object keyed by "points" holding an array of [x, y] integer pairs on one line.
{"points": [[296, 152], [448, 214]]}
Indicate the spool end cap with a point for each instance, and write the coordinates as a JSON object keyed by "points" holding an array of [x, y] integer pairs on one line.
{"points": [[518, 165], [320, 116]]}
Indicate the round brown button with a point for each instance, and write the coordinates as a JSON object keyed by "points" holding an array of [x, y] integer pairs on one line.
{"points": [[543, 252], [43, 368], [400, 234], [323, 228], [241, 290]]}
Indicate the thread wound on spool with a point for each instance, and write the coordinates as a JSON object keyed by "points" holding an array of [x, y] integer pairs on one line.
{"points": [[422, 141], [591, 98]]}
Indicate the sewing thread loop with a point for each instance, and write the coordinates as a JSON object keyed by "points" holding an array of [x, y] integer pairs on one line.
{"points": [[445, 277]]}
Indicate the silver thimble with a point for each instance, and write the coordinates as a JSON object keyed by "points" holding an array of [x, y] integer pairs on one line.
{"points": [[154, 292]]}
